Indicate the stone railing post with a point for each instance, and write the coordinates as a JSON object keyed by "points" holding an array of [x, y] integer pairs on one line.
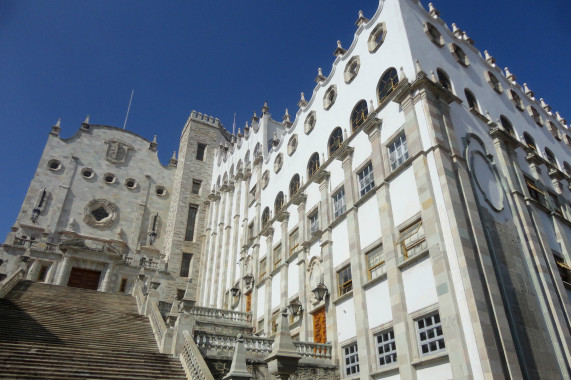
{"points": [[152, 297], [184, 322]]}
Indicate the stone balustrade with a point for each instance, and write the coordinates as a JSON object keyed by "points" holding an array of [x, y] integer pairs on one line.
{"points": [[227, 315], [313, 350], [41, 244], [9, 282], [157, 322], [192, 360]]}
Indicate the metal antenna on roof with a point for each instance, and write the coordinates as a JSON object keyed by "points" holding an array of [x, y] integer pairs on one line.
{"points": [[128, 109]]}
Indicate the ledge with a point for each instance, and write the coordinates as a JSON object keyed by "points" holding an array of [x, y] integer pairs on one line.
{"points": [[413, 260], [390, 368], [344, 297], [375, 281], [429, 359]]}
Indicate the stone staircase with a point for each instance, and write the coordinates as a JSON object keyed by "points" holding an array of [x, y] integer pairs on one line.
{"points": [[57, 332]]}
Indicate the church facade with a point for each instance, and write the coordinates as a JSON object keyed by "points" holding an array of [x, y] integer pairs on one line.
{"points": [[415, 212]]}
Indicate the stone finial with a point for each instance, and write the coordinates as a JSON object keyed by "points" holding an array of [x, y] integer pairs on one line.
{"points": [[371, 106], [527, 91], [467, 38], [119, 234], [320, 77], [560, 119], [71, 225], [433, 11], [489, 117], [361, 20], [56, 128], [173, 161], [545, 106], [509, 75], [265, 108], [339, 51], [419, 71], [275, 140], [284, 358], [457, 31], [85, 124], [153, 144], [302, 102], [238, 368], [491, 60], [286, 117], [86, 121], [433, 77], [402, 75]]}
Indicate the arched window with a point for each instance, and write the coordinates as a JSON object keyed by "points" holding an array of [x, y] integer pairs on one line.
{"points": [[247, 158], [313, 164], [257, 150], [444, 79], [279, 202], [550, 157], [294, 185], [471, 99], [529, 141], [359, 115], [335, 140], [387, 84], [507, 125], [265, 216]]}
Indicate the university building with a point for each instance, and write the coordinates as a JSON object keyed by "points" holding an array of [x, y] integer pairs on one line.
{"points": [[413, 215]]}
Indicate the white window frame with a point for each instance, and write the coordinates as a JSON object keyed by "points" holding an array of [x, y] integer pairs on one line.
{"points": [[387, 345], [366, 179], [313, 223], [430, 337], [351, 360], [339, 206], [398, 151]]}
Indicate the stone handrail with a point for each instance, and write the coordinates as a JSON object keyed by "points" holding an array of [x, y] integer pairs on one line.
{"points": [[11, 281], [228, 315], [192, 361], [157, 322], [224, 344], [313, 350], [139, 296]]}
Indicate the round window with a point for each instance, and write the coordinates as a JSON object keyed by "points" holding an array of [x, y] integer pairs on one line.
{"points": [[109, 178], [87, 173], [54, 165]]}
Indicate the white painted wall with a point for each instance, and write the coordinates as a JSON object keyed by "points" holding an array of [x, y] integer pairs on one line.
{"points": [[292, 279], [261, 301], [440, 371], [345, 312], [340, 244], [276, 293], [314, 251], [419, 287], [405, 203], [379, 304], [369, 222]]}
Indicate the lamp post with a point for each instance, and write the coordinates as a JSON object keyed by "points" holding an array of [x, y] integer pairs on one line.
{"points": [[320, 291], [248, 279], [294, 307]]}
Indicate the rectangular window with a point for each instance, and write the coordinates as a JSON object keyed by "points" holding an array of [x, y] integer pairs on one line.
{"points": [[351, 360], [412, 240], [398, 152], [42, 273], [293, 242], [251, 231], [185, 264], [252, 196], [429, 334], [339, 203], [274, 324], [262, 268], [375, 263], [260, 326], [555, 205], [366, 180], [196, 186], [200, 151], [123, 285], [277, 256], [535, 192], [313, 223], [190, 221], [386, 348], [344, 280]]}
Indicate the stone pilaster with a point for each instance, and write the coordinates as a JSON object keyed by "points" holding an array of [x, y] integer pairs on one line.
{"points": [[106, 283], [226, 254], [64, 269]]}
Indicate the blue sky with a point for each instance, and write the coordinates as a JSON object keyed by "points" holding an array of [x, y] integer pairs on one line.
{"points": [[70, 58]]}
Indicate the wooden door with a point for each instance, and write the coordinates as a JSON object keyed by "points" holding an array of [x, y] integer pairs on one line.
{"points": [[84, 278], [249, 302], [319, 326]]}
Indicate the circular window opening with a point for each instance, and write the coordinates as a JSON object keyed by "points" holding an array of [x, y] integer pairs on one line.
{"points": [[160, 191], [54, 165], [87, 173], [131, 183], [109, 178]]}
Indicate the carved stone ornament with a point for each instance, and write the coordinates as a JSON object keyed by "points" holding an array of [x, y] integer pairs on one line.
{"points": [[100, 213], [117, 151]]}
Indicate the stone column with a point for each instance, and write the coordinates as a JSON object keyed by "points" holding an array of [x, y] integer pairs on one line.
{"points": [[269, 233], [210, 257], [234, 255], [64, 268], [300, 201], [226, 254], [285, 255], [204, 251], [106, 283], [219, 248]]}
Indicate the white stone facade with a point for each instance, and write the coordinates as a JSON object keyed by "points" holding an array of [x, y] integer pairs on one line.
{"points": [[440, 232]]}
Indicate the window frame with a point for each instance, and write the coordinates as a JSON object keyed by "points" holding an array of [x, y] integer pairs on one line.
{"points": [[407, 233], [263, 268], [191, 222], [390, 341], [436, 325], [363, 177], [379, 265], [347, 285], [200, 151], [339, 203], [394, 161], [335, 140], [185, 261], [359, 114], [313, 165], [196, 182], [350, 359], [390, 76], [311, 223], [295, 243]]}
